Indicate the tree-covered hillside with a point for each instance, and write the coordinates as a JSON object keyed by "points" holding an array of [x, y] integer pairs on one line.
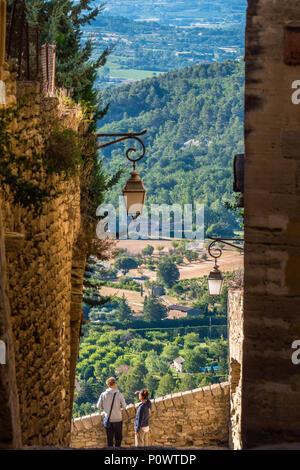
{"points": [[194, 119]]}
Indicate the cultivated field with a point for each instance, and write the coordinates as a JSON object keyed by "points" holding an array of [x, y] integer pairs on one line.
{"points": [[231, 260], [136, 246], [134, 298]]}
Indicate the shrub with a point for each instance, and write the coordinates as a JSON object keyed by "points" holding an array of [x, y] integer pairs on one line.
{"points": [[63, 154]]}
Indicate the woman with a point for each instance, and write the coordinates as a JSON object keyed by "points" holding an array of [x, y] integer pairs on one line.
{"points": [[141, 422]]}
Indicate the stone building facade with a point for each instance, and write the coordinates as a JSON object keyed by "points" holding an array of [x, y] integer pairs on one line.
{"points": [[270, 383], [41, 283], [196, 418]]}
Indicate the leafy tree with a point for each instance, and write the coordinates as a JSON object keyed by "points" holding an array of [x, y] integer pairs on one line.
{"points": [[151, 383], [129, 384], [160, 249], [153, 309], [191, 255], [167, 272], [191, 339], [82, 410], [156, 365], [170, 352], [206, 379], [88, 392], [148, 250], [139, 369], [219, 350], [124, 311], [60, 22], [204, 102], [88, 372], [178, 289], [166, 385], [194, 360], [125, 263], [188, 382]]}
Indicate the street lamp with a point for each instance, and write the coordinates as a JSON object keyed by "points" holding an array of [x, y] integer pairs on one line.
{"points": [[135, 194], [215, 278], [134, 191], [215, 281]]}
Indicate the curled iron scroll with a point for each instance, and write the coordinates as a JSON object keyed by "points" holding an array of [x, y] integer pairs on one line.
{"points": [[218, 252], [120, 138], [134, 160]]}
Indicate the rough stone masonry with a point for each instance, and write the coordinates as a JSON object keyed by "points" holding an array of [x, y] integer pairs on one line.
{"points": [[195, 418], [42, 281], [270, 390]]}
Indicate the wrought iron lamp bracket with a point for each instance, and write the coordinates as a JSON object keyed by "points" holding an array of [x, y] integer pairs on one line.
{"points": [[218, 251], [126, 136]]}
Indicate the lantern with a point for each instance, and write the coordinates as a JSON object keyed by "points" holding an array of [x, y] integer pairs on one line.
{"points": [[135, 195], [215, 281]]}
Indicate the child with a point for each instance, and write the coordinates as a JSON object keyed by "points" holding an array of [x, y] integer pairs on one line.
{"points": [[141, 422]]}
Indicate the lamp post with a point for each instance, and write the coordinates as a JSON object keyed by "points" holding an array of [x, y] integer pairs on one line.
{"points": [[215, 278], [134, 191]]}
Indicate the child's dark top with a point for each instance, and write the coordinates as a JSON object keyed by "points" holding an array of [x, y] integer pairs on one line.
{"points": [[142, 415]]}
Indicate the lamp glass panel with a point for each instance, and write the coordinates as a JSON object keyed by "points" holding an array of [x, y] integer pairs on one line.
{"points": [[215, 286], [134, 202]]}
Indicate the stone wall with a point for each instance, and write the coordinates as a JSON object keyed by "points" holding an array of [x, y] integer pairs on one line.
{"points": [[43, 285], [271, 382], [195, 418], [10, 430], [235, 338]]}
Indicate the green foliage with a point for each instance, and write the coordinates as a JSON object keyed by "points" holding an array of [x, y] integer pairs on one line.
{"points": [[160, 46], [63, 154], [219, 350], [153, 309], [88, 392], [151, 383], [59, 22], [194, 359], [166, 385], [124, 283], [144, 362], [170, 352], [125, 263], [195, 126], [124, 311], [188, 382], [190, 339], [191, 255], [129, 384], [167, 272], [148, 250]]}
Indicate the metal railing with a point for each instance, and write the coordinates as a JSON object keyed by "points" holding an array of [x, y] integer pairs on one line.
{"points": [[22, 41]]}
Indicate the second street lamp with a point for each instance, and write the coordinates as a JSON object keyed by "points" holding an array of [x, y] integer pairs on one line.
{"points": [[215, 281], [215, 278]]}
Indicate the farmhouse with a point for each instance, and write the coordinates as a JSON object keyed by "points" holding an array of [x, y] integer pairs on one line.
{"points": [[177, 364], [181, 311]]}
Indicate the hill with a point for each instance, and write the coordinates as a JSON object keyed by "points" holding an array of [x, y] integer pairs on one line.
{"points": [[194, 119], [143, 49], [181, 12]]}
